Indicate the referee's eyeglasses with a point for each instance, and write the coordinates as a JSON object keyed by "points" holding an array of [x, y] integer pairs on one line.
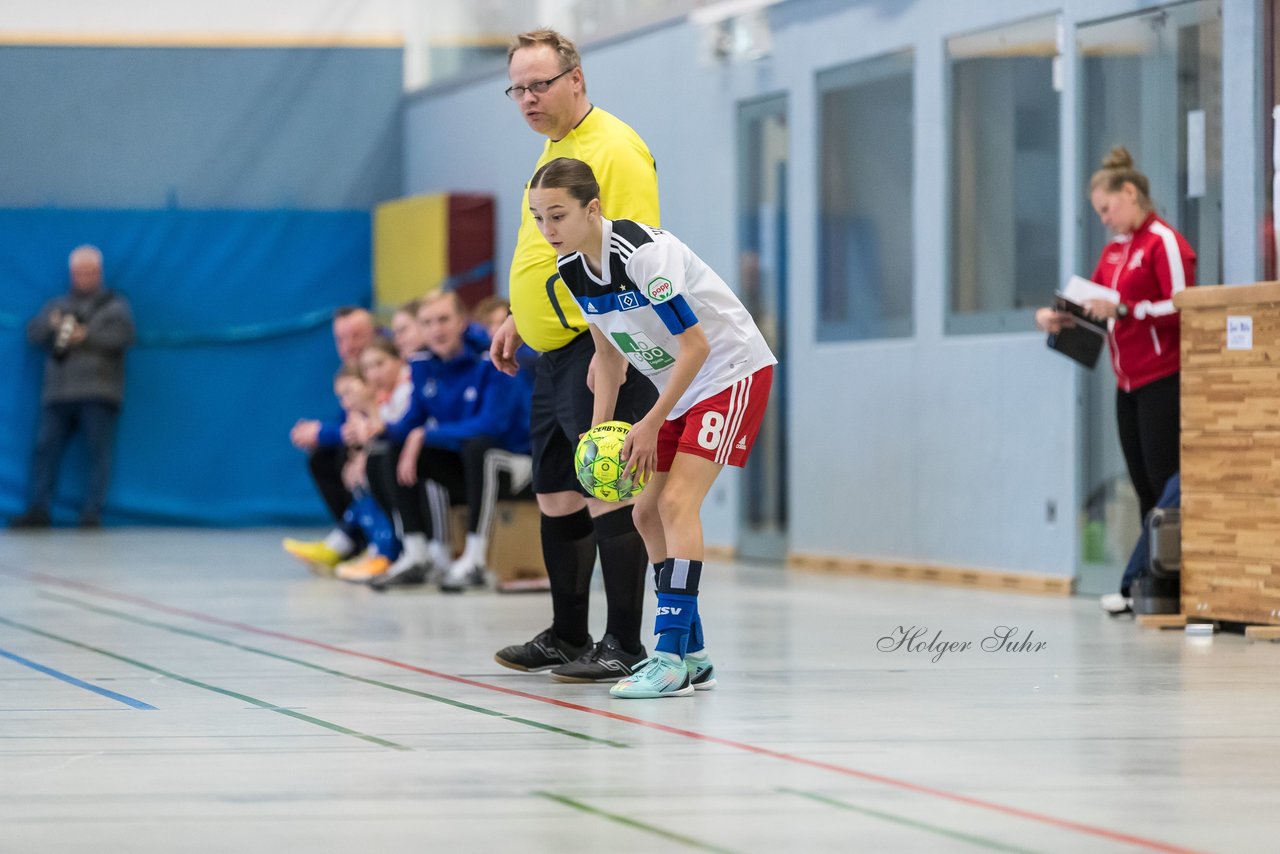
{"points": [[538, 87]]}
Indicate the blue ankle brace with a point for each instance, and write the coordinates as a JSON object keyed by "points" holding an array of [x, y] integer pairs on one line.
{"points": [[674, 622], [697, 642]]}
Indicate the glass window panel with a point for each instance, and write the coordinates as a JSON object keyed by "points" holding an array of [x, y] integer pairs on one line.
{"points": [[1005, 159], [1147, 79], [866, 175]]}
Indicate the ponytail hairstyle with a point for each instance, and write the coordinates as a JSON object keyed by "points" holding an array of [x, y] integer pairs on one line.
{"points": [[1118, 170], [573, 176]]}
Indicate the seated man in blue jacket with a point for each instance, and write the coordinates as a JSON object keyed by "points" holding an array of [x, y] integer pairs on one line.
{"points": [[353, 329], [461, 406]]}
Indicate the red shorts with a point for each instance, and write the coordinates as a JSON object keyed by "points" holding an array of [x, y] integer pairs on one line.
{"points": [[721, 428]]}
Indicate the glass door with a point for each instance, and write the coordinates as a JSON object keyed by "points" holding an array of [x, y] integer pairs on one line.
{"points": [[763, 143], [1151, 82]]}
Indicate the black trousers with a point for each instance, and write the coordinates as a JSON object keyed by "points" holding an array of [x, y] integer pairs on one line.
{"points": [[473, 453], [562, 407], [325, 466], [1148, 419], [459, 478], [96, 420]]}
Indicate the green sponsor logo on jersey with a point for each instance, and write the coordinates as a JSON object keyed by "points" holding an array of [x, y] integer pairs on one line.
{"points": [[660, 289], [642, 352]]}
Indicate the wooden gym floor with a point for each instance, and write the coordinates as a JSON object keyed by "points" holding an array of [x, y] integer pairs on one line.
{"points": [[196, 691]]}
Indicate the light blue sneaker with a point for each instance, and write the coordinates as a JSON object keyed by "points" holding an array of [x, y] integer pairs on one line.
{"points": [[661, 675], [702, 673]]}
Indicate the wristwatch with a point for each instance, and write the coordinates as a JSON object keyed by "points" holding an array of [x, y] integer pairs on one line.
{"points": [[1122, 310]]}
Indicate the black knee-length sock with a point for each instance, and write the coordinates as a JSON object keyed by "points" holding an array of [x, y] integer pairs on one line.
{"points": [[623, 561], [569, 550]]}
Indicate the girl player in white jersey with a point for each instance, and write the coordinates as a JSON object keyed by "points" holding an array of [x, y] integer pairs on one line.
{"points": [[652, 302]]}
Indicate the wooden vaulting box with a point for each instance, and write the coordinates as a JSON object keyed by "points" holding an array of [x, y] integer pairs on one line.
{"points": [[515, 545], [515, 549], [1231, 452]]}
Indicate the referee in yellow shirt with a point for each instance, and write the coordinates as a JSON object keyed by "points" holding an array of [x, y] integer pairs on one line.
{"points": [[548, 85]]}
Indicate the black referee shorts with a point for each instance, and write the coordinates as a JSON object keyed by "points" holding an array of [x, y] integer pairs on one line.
{"points": [[562, 409]]}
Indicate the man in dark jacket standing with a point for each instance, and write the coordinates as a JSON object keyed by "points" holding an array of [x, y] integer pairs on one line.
{"points": [[86, 332]]}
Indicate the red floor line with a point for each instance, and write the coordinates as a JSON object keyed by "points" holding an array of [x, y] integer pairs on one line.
{"points": [[1115, 836]]}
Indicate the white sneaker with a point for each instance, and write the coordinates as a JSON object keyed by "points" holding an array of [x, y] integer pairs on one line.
{"points": [[439, 556], [462, 574], [1116, 604]]}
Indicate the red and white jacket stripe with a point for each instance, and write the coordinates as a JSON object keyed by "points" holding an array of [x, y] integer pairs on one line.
{"points": [[1147, 268]]}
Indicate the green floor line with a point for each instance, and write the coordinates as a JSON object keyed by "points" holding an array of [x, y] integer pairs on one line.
{"points": [[329, 670], [687, 841], [981, 841], [262, 704]]}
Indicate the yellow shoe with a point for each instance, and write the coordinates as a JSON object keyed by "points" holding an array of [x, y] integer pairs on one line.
{"points": [[364, 570], [318, 556]]}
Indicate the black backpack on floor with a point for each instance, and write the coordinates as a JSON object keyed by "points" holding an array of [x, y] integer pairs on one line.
{"points": [[1158, 589]]}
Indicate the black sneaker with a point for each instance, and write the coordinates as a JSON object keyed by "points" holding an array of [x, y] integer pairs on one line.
{"points": [[605, 662], [30, 521], [409, 576], [542, 653]]}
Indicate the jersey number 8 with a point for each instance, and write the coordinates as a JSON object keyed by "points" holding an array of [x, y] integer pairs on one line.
{"points": [[712, 427]]}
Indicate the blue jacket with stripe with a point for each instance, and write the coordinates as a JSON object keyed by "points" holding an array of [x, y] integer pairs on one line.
{"points": [[464, 398]]}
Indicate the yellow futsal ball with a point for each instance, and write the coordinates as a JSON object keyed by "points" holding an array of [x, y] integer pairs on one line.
{"points": [[598, 465]]}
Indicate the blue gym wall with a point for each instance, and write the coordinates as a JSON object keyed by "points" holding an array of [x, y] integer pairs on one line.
{"points": [[935, 448], [232, 310], [112, 127], [230, 191]]}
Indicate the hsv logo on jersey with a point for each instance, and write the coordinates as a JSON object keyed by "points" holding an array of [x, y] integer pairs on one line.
{"points": [[660, 289], [628, 301]]}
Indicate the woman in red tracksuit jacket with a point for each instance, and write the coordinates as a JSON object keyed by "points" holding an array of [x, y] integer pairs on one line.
{"points": [[1147, 262]]}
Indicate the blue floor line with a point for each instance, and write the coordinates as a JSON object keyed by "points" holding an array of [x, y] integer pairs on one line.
{"points": [[79, 683]]}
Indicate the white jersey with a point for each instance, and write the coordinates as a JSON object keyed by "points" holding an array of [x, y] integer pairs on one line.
{"points": [[651, 289], [397, 403]]}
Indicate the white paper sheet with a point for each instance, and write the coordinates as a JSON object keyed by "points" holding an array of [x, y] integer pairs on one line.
{"points": [[1080, 290], [1239, 332]]}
